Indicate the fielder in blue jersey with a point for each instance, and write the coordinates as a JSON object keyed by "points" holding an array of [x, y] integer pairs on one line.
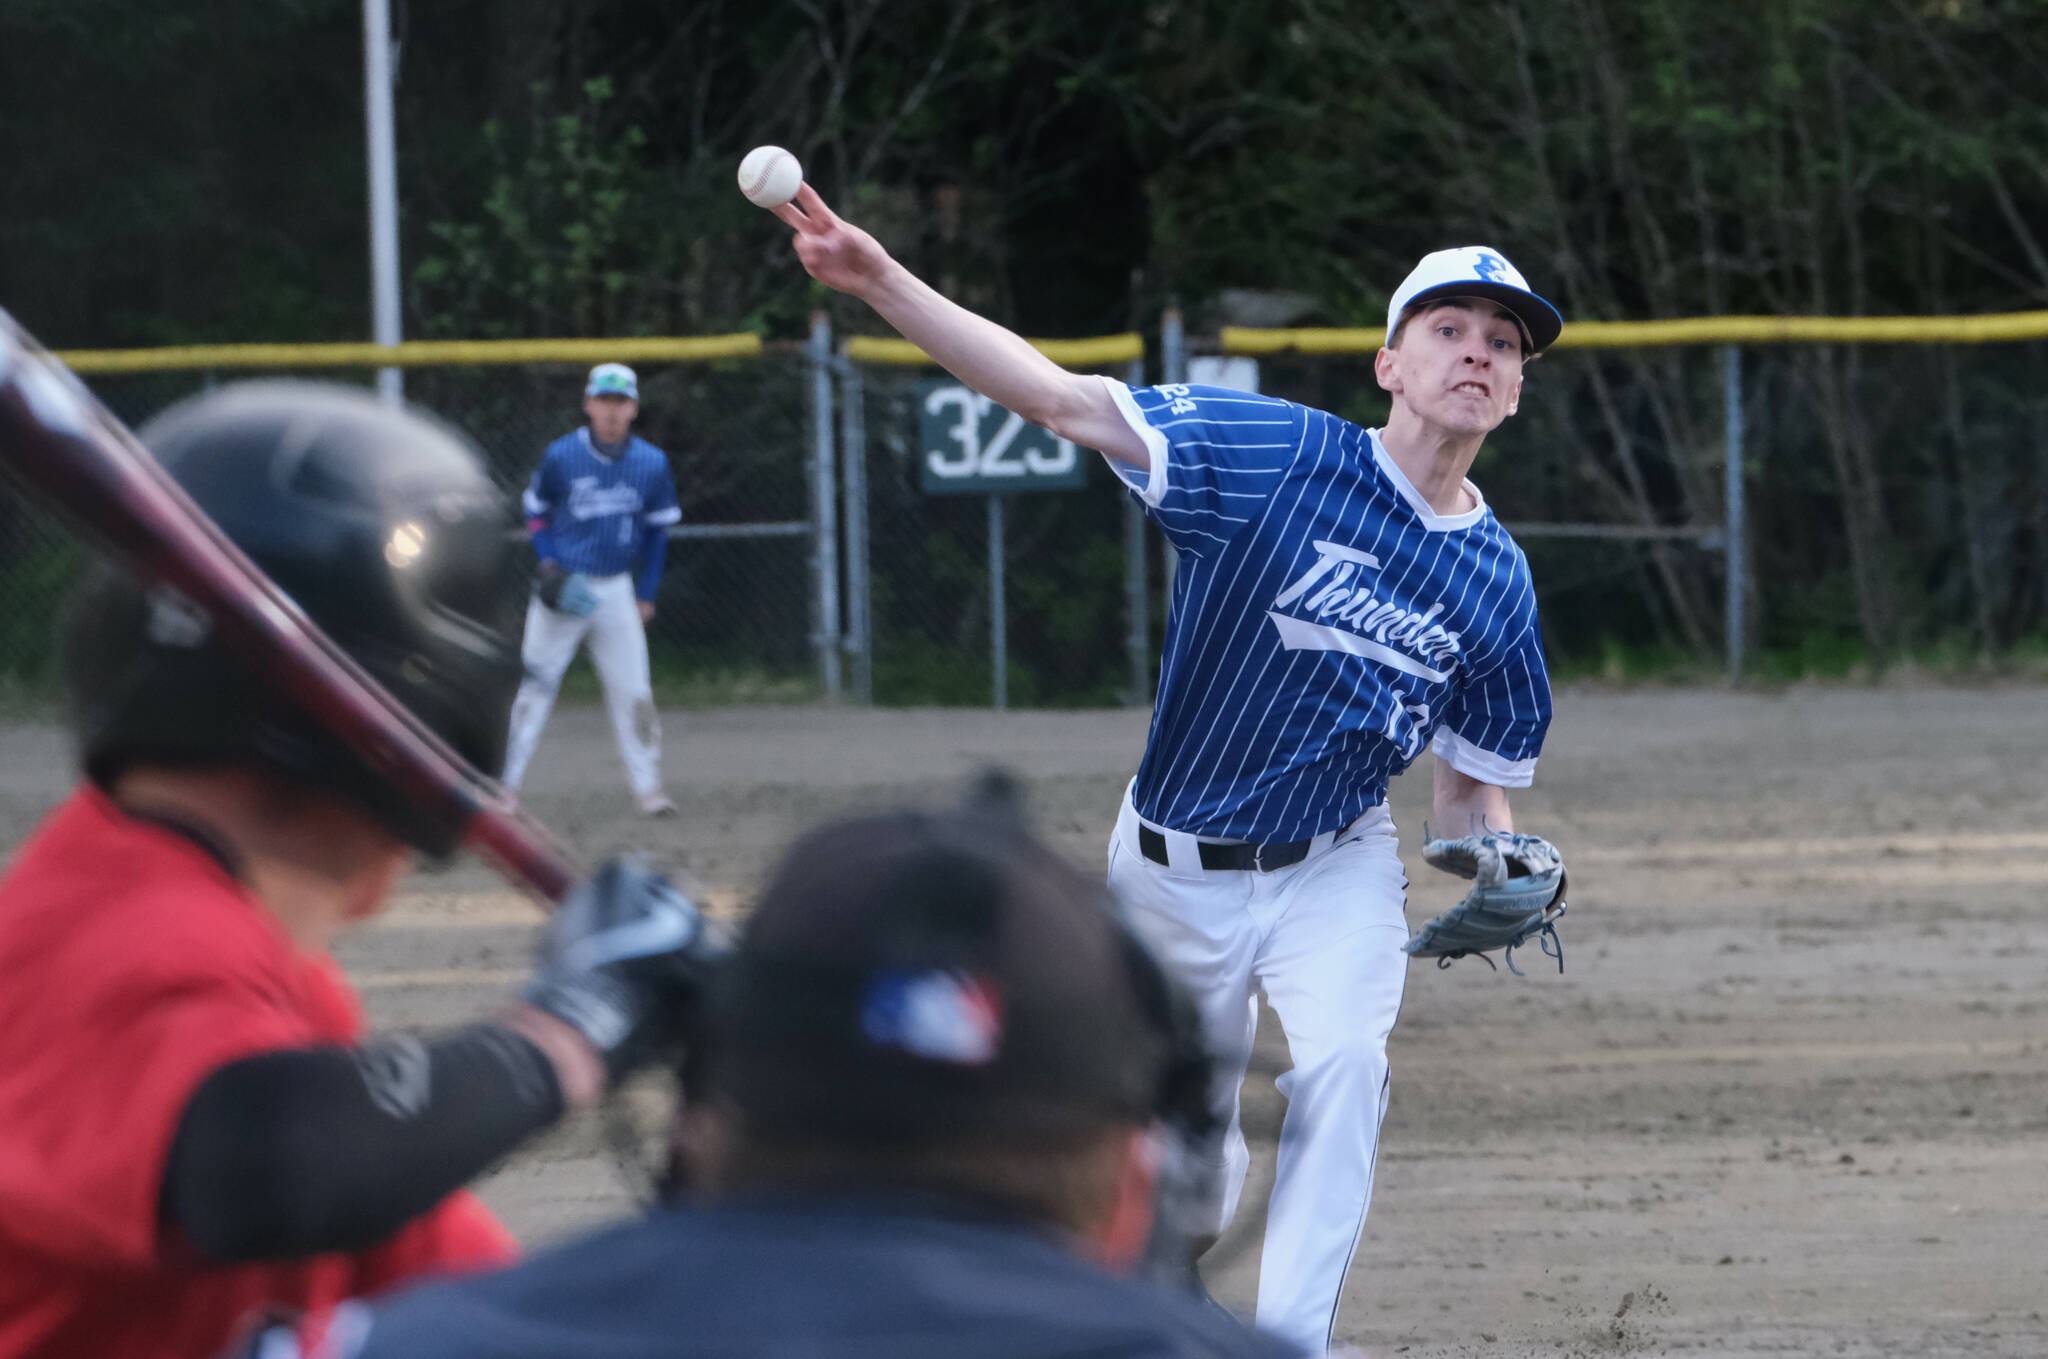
{"points": [[599, 507], [1344, 598]]}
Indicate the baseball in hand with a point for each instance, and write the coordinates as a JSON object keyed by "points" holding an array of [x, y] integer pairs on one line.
{"points": [[770, 176]]}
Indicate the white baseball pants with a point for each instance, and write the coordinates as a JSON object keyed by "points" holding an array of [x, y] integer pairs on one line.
{"points": [[1323, 939], [618, 648]]}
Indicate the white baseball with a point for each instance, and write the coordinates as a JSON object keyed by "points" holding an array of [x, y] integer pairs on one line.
{"points": [[770, 176]]}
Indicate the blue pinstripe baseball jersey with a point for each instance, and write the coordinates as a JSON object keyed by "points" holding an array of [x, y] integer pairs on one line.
{"points": [[597, 509], [1326, 623]]}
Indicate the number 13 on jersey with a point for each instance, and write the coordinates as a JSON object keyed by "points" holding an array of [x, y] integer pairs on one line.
{"points": [[970, 445]]}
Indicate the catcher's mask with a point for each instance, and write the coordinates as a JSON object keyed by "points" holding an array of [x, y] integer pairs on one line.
{"points": [[381, 524]]}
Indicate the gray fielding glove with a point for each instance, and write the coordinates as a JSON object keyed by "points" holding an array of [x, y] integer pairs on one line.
{"points": [[624, 963], [1518, 884]]}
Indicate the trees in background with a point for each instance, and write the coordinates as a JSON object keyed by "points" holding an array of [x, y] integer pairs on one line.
{"points": [[193, 171]]}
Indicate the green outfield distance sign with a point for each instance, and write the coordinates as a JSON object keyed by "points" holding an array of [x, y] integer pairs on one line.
{"points": [[968, 445]]}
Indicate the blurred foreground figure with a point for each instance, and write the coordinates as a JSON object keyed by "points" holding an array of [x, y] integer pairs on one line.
{"points": [[194, 1130], [927, 1106]]}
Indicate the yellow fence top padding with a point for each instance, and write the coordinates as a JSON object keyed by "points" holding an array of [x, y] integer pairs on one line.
{"points": [[412, 354], [2002, 326], [1086, 353], [1092, 352], [1307, 340]]}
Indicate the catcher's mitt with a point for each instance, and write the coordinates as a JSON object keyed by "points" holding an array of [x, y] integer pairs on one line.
{"points": [[1518, 891]]}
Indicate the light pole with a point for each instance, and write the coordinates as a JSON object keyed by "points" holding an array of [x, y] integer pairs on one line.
{"points": [[383, 159]]}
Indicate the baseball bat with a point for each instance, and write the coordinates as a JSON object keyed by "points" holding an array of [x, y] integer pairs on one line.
{"points": [[75, 455]]}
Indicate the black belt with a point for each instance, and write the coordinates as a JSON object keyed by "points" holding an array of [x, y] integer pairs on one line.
{"points": [[1240, 858]]}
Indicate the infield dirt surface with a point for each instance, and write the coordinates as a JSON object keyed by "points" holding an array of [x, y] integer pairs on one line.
{"points": [[1790, 1095]]}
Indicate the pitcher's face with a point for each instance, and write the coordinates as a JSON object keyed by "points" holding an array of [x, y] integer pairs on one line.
{"points": [[1458, 365]]}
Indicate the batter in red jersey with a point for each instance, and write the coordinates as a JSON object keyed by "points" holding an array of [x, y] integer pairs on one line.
{"points": [[194, 1129]]}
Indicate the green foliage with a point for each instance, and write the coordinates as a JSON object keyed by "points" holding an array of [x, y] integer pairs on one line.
{"points": [[566, 170], [1820, 657], [34, 574], [1819, 654], [547, 253], [918, 673], [702, 680]]}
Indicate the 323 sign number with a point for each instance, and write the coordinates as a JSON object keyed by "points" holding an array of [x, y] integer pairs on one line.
{"points": [[970, 445]]}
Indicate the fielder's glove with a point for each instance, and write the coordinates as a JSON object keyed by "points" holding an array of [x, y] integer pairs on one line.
{"points": [[1517, 892], [563, 592], [623, 963]]}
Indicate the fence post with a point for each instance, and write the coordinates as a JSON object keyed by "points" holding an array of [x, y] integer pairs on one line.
{"points": [[999, 648], [1173, 367], [1138, 639], [853, 449], [1737, 536], [824, 506]]}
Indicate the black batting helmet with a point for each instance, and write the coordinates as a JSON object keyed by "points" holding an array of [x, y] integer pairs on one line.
{"points": [[385, 529]]}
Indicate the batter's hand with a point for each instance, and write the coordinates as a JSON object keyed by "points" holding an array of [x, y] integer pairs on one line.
{"points": [[836, 253], [623, 963], [646, 611]]}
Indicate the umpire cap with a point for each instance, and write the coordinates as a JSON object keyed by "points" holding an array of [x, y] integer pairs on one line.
{"points": [[381, 524], [915, 977]]}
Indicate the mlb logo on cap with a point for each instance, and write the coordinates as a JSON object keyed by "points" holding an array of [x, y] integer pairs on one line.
{"points": [[613, 379], [1476, 271], [941, 1016]]}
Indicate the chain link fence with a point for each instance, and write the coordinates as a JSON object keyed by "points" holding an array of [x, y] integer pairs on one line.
{"points": [[1057, 609], [1608, 511], [38, 562], [1887, 498], [1896, 486], [733, 618]]}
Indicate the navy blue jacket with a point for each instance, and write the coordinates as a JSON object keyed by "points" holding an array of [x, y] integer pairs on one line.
{"points": [[847, 1275]]}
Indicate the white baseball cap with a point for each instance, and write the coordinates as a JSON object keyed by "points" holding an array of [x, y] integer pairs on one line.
{"points": [[1477, 271], [613, 379]]}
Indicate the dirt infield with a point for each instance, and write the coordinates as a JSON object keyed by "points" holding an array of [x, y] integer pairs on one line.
{"points": [[1789, 1097]]}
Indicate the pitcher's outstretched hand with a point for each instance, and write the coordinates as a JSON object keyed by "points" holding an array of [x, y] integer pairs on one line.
{"points": [[836, 253]]}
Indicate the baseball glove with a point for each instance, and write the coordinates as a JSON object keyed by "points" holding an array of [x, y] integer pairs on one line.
{"points": [[563, 592], [1518, 884]]}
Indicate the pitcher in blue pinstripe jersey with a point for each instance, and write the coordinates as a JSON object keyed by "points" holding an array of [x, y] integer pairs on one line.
{"points": [[1344, 598], [1327, 621]]}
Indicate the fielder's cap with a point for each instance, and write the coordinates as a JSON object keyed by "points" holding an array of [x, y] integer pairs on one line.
{"points": [[917, 977], [1476, 271], [613, 379]]}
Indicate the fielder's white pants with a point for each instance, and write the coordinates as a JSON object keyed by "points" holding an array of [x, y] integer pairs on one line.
{"points": [[1323, 939], [618, 648]]}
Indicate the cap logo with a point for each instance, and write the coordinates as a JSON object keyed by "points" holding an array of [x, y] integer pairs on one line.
{"points": [[947, 1017], [612, 379], [1490, 266]]}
